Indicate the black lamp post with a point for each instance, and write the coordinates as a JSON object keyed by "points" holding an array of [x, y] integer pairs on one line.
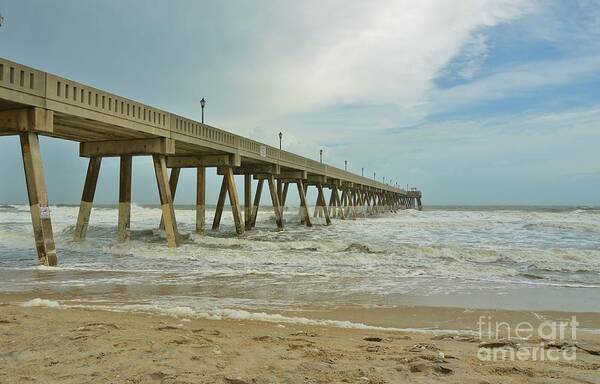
{"points": [[280, 136], [362, 171], [345, 165], [202, 104], [321, 155]]}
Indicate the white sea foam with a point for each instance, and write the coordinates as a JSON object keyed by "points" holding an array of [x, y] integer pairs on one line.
{"points": [[378, 259], [37, 302], [183, 313]]}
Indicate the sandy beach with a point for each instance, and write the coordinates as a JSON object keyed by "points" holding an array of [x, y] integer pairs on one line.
{"points": [[39, 344]]}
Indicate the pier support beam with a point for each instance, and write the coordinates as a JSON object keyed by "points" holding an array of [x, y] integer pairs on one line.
{"points": [[321, 200], [248, 201], [234, 200], [256, 204], [200, 199], [284, 196], [87, 198], [38, 199], [279, 191], [304, 216], [275, 200], [342, 210], [220, 205], [166, 200], [124, 199], [173, 181]]}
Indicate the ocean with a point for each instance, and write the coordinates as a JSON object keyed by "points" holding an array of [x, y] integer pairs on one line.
{"points": [[532, 258]]}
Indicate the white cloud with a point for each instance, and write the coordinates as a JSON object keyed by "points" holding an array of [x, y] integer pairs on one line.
{"points": [[375, 53], [516, 80]]}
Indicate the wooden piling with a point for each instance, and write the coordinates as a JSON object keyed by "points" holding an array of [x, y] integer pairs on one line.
{"points": [[248, 201], [173, 181], [322, 202], [344, 204], [256, 204], [166, 200], [275, 201], [87, 198], [234, 201], [279, 190], [38, 199], [353, 201], [200, 199], [284, 195], [124, 221], [303, 206], [338, 204], [220, 205]]}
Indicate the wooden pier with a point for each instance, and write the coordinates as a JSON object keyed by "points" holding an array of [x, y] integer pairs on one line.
{"points": [[34, 103]]}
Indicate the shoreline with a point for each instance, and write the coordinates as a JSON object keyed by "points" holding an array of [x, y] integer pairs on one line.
{"points": [[398, 318], [41, 344]]}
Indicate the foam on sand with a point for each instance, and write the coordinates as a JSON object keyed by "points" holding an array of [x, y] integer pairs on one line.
{"points": [[37, 302]]}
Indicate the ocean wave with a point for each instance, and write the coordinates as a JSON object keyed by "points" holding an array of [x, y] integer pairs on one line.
{"points": [[184, 312], [565, 226]]}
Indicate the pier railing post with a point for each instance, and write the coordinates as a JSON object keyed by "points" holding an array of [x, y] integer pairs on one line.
{"points": [[166, 200], [87, 198], [123, 225], [38, 199]]}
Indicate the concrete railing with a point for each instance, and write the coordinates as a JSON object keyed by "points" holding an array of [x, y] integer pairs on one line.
{"points": [[80, 97]]}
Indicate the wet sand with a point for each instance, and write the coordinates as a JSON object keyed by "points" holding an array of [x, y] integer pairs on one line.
{"points": [[52, 345]]}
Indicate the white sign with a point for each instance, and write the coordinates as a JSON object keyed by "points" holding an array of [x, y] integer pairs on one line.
{"points": [[263, 151], [44, 211]]}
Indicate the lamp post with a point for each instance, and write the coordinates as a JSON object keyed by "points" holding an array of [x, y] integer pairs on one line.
{"points": [[280, 136], [202, 104], [345, 165], [362, 172], [374, 175], [321, 155]]}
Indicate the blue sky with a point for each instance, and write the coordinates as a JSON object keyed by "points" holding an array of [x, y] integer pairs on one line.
{"points": [[474, 102]]}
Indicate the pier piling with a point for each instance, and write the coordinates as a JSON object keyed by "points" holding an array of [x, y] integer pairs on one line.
{"points": [[87, 198], [38, 199]]}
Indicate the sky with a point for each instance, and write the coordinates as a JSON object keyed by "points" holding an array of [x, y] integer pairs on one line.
{"points": [[471, 101]]}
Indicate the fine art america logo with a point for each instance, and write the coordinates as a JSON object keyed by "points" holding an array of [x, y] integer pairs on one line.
{"points": [[548, 341]]}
